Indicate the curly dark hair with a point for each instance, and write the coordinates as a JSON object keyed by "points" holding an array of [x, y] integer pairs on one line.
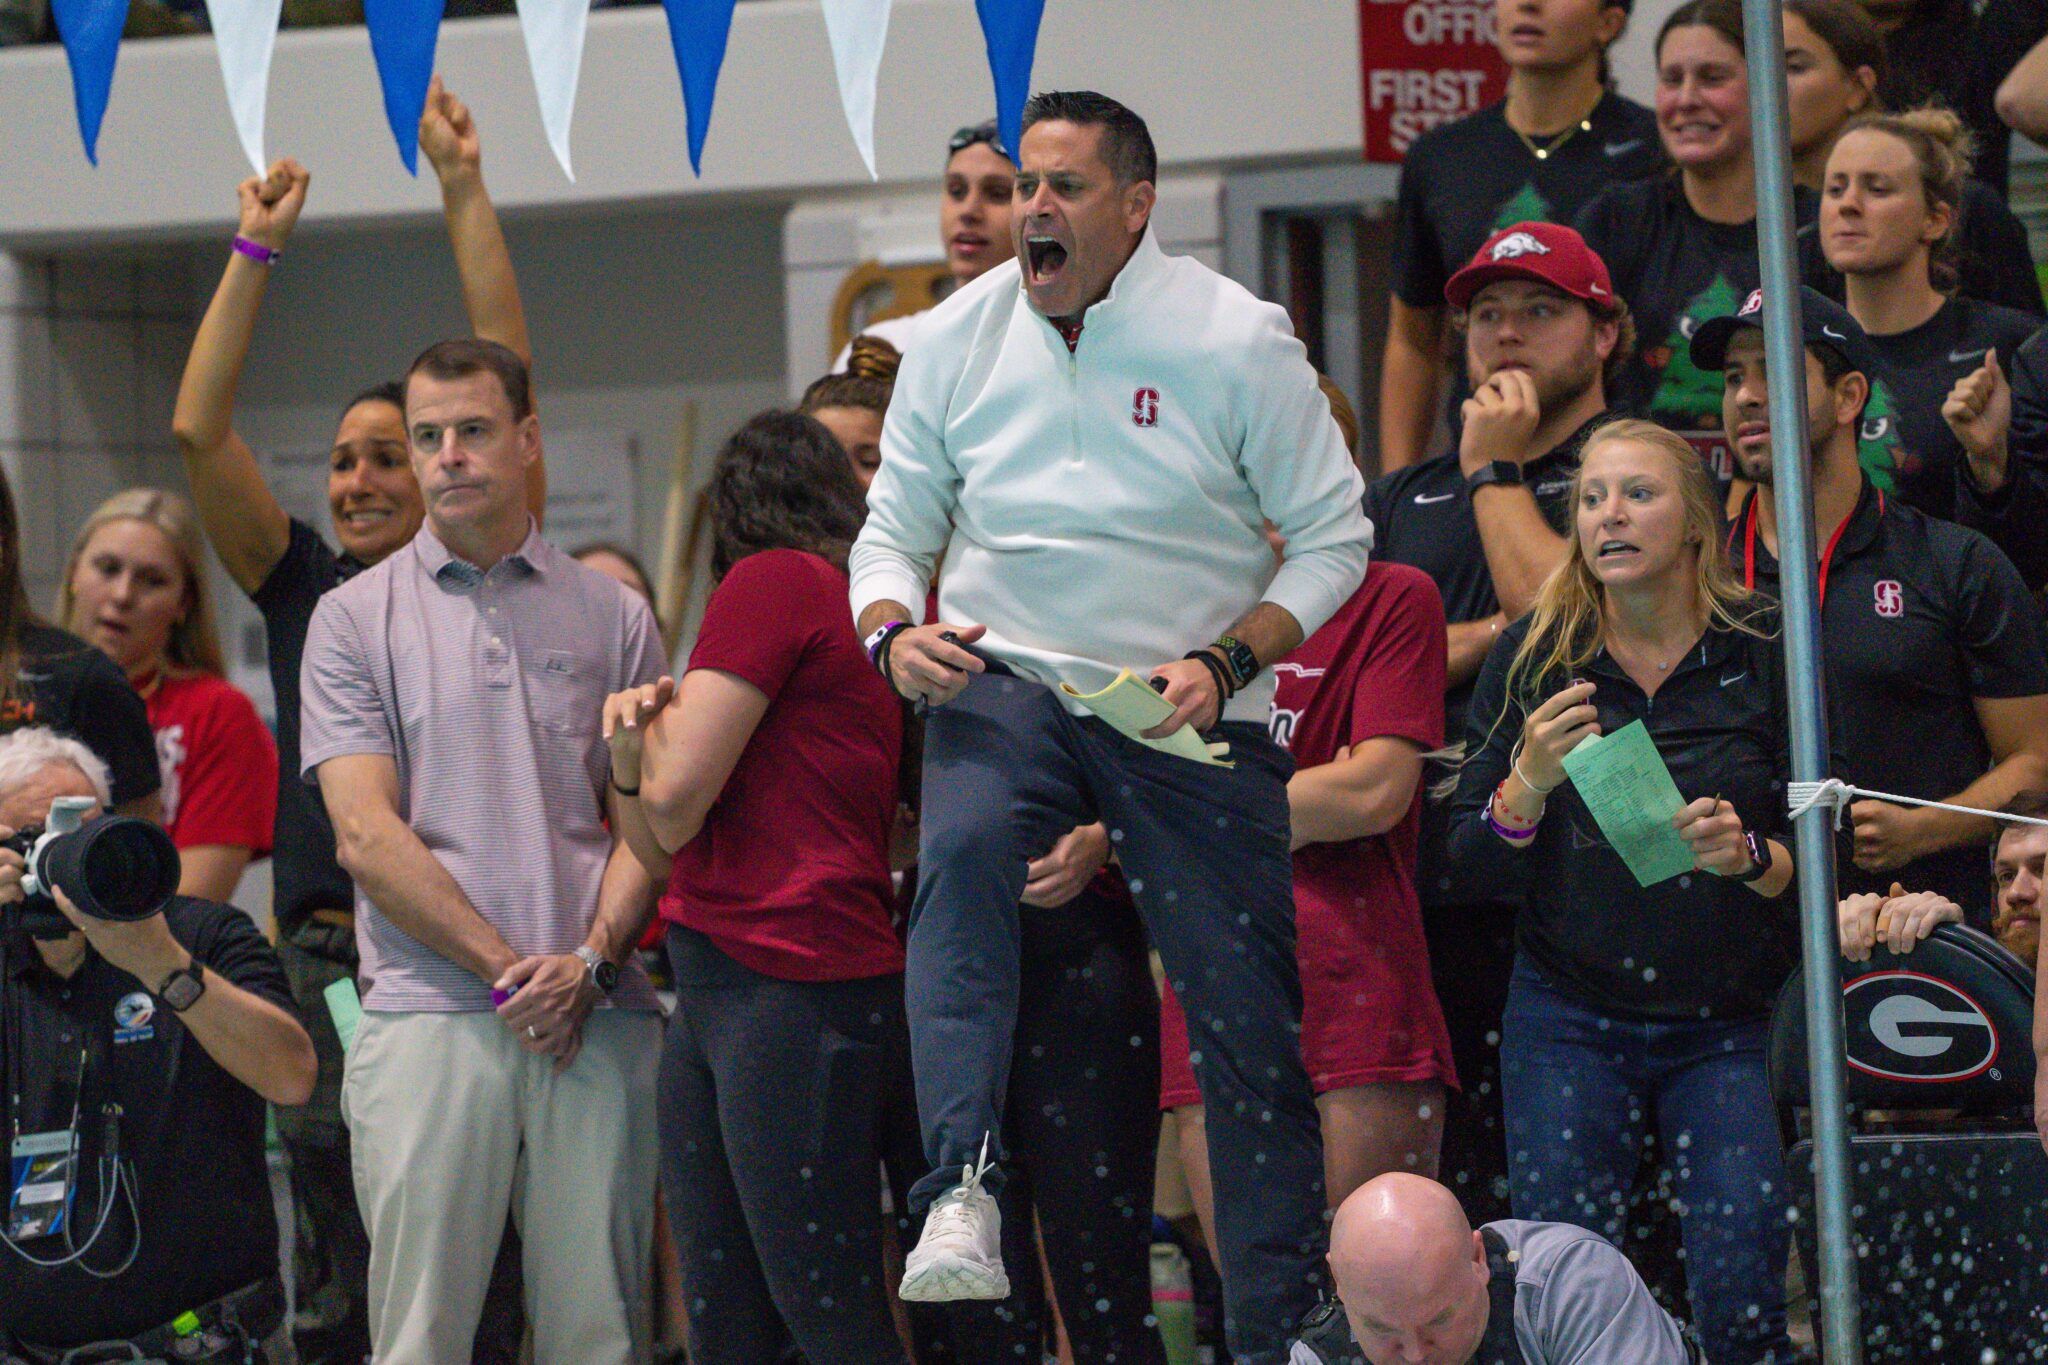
{"points": [[782, 483]]}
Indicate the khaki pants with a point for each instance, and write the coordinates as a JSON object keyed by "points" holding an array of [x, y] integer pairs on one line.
{"points": [[452, 1122]]}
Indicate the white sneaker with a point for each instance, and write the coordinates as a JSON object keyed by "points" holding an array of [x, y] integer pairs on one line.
{"points": [[960, 1254]]}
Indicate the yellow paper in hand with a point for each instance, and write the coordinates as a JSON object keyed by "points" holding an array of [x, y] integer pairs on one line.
{"points": [[1131, 707]]}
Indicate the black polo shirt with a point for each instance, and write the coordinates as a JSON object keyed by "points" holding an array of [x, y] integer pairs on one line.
{"points": [[1921, 365], [75, 690], [194, 1133], [1696, 946], [1920, 617], [304, 873], [1676, 270], [1422, 517]]}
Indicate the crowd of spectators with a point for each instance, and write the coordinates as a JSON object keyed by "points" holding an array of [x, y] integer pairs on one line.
{"points": [[936, 947]]}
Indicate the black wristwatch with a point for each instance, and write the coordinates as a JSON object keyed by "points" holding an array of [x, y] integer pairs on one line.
{"points": [[181, 989], [1504, 472], [603, 971], [1239, 659], [1759, 857]]}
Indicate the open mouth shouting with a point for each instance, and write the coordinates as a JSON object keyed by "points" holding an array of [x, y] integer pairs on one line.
{"points": [[1045, 256]]}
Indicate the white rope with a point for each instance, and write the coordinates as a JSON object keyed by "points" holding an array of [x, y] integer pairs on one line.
{"points": [[1801, 797]]}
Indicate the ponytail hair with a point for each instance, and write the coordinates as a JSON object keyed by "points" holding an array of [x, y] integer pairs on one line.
{"points": [[1943, 149]]}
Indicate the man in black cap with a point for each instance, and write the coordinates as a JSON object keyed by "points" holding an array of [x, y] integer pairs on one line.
{"points": [[1937, 669]]}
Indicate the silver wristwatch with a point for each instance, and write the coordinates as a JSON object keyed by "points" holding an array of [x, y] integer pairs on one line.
{"points": [[603, 971]]}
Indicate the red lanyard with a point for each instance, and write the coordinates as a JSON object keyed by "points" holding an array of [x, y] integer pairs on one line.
{"points": [[1827, 556]]}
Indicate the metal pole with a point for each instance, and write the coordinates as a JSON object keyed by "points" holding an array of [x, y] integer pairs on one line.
{"points": [[1785, 361]]}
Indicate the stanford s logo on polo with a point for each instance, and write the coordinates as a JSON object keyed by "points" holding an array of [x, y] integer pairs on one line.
{"points": [[1518, 244], [1891, 598], [1145, 408], [1905, 1026]]}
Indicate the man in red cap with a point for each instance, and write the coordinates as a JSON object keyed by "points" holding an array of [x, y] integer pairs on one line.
{"points": [[1543, 333]]}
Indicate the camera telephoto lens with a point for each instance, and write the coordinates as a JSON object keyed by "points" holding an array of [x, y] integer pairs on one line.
{"points": [[116, 868]]}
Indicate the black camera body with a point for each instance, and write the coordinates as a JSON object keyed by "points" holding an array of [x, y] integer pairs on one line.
{"points": [[113, 868]]}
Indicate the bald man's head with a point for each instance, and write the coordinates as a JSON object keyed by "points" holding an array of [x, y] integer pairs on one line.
{"points": [[1411, 1272]]}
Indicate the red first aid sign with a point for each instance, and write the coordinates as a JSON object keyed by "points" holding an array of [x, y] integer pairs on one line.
{"points": [[1425, 62]]}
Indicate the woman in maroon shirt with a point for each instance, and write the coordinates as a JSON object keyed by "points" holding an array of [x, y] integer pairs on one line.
{"points": [[761, 788]]}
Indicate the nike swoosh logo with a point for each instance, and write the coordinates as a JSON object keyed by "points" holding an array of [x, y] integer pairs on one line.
{"points": [[1734, 678], [1827, 331], [1961, 357], [1425, 499], [1622, 148]]}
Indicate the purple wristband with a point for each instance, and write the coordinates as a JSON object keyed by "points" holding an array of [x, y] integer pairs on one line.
{"points": [[1513, 836], [256, 251]]}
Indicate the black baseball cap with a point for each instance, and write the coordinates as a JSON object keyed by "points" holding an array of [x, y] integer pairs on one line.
{"points": [[1822, 322]]}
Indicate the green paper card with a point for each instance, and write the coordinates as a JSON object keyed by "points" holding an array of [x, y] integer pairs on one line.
{"points": [[1623, 781], [346, 1009]]}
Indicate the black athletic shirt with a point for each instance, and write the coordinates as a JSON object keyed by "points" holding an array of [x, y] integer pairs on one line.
{"points": [[194, 1133], [74, 689], [1463, 181], [1921, 365], [2023, 501], [1696, 946], [1422, 517], [2004, 32], [304, 873], [1676, 270], [1920, 616]]}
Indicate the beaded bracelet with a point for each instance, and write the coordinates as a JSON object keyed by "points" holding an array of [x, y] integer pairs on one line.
{"points": [[1513, 834]]}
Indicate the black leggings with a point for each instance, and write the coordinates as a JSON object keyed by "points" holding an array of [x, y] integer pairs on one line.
{"points": [[1081, 1129], [771, 1101]]}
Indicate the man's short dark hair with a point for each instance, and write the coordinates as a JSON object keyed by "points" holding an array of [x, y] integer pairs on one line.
{"points": [[465, 356], [1126, 141]]}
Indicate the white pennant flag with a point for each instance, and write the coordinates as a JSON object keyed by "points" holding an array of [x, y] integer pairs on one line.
{"points": [[858, 29], [244, 31], [554, 48]]}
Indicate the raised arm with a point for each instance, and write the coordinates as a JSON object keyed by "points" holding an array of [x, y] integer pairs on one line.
{"points": [[248, 528], [490, 290]]}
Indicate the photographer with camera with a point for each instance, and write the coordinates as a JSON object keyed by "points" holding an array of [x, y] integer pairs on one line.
{"points": [[141, 1033]]}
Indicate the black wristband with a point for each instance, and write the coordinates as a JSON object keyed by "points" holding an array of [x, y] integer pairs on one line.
{"points": [[1226, 686]]}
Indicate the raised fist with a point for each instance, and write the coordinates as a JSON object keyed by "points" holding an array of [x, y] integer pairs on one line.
{"points": [[271, 203], [448, 133]]}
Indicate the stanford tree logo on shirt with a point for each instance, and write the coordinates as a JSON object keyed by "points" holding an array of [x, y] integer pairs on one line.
{"points": [[1527, 206], [1688, 396]]}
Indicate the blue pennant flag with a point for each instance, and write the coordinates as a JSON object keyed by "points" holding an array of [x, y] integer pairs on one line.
{"points": [[697, 29], [1010, 28], [91, 30], [402, 34]]}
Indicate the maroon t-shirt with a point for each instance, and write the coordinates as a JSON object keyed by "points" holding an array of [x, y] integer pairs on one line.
{"points": [[790, 874]]}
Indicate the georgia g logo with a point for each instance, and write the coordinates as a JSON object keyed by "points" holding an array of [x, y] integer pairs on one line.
{"points": [[1905, 1026], [1890, 598], [1518, 244], [1145, 408]]}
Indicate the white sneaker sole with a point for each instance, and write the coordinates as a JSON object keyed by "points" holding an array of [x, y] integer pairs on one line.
{"points": [[949, 1279]]}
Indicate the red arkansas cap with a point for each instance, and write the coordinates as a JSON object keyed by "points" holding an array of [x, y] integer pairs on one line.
{"points": [[1548, 253]]}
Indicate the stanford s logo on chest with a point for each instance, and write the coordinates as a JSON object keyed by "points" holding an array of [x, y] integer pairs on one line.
{"points": [[1145, 408], [1891, 598]]}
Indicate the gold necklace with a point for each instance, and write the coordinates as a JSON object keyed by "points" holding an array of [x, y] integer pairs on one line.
{"points": [[1542, 153]]}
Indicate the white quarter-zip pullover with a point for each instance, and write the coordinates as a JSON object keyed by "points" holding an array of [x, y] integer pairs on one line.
{"points": [[1099, 508]]}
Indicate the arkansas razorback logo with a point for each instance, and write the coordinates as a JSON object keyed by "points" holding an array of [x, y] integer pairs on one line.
{"points": [[1145, 408]]}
